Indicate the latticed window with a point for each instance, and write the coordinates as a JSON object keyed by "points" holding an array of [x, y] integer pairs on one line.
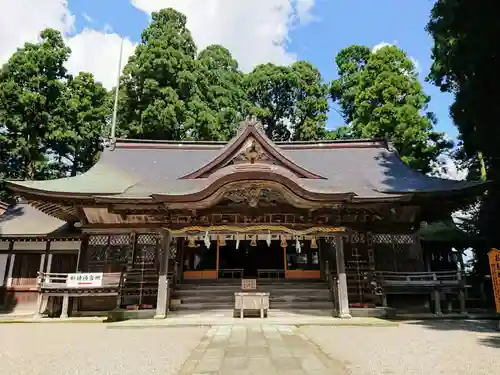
{"points": [[108, 253], [147, 249], [397, 252]]}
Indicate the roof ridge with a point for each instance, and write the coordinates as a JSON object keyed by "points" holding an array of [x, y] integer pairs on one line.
{"points": [[156, 142]]}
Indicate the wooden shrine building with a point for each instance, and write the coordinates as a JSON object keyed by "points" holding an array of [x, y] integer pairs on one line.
{"points": [[176, 215], [30, 242]]}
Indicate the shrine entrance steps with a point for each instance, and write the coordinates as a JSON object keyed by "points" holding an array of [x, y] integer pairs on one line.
{"points": [[284, 295]]}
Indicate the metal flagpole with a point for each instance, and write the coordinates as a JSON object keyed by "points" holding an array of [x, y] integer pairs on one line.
{"points": [[115, 107]]}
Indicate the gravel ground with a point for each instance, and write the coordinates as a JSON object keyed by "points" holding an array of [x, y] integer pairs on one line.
{"points": [[60, 349], [414, 348]]}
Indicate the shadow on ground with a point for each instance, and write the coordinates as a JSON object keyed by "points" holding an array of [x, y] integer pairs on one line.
{"points": [[475, 326]]}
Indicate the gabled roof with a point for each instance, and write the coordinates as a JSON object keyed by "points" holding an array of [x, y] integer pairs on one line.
{"points": [[23, 220], [251, 145], [147, 170]]}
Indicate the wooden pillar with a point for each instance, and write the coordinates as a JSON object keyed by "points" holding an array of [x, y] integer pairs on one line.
{"points": [[217, 260], [461, 293], [285, 263], [81, 264], [437, 302], [343, 296], [42, 263], [65, 304], [3, 268], [11, 270], [162, 296]]}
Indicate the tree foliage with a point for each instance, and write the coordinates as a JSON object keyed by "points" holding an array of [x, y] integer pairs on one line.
{"points": [[219, 102], [31, 88], [50, 122], [291, 102], [466, 64], [80, 124], [159, 80], [379, 95]]}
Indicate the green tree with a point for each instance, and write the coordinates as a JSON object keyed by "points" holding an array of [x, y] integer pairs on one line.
{"points": [[465, 64], [291, 102], [31, 86], [159, 80], [380, 96], [219, 102], [79, 125]]}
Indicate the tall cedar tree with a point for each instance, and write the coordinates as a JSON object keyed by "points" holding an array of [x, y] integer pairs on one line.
{"points": [[31, 87], [290, 101], [380, 96], [219, 102], [466, 63], [51, 121], [159, 80]]}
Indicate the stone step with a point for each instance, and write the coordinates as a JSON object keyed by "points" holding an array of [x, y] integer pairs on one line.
{"points": [[272, 305], [219, 294], [259, 286], [273, 293]]}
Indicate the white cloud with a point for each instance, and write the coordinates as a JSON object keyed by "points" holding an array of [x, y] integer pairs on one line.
{"points": [[380, 45], [87, 17], [92, 51], [416, 63], [22, 20], [98, 52], [255, 31]]}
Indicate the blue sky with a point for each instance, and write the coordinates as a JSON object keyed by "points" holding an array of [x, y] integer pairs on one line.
{"points": [[337, 24]]}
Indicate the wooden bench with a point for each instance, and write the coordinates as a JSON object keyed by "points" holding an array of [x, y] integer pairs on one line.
{"points": [[223, 272], [433, 283], [268, 273]]}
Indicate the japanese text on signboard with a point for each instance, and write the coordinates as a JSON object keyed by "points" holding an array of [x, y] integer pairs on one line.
{"points": [[248, 284], [84, 279], [494, 259]]}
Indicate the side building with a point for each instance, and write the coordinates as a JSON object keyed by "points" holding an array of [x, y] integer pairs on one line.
{"points": [[337, 214], [32, 241]]}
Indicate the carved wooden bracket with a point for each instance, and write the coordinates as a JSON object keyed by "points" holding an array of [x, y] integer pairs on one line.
{"points": [[253, 195]]}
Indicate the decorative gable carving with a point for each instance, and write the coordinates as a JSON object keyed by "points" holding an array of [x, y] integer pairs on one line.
{"points": [[251, 146], [252, 152]]}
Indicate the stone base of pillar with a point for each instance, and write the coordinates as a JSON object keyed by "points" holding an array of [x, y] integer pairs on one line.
{"points": [[345, 316], [160, 316]]}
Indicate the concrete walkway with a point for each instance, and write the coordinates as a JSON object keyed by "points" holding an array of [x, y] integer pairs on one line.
{"points": [[260, 349]]}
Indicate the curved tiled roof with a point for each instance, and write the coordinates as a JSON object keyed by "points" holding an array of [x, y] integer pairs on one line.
{"points": [[142, 169], [22, 219]]}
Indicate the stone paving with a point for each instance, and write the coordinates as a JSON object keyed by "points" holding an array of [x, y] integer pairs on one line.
{"points": [[259, 349]]}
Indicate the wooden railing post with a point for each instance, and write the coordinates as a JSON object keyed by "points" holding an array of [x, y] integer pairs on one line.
{"points": [[461, 292], [437, 296]]}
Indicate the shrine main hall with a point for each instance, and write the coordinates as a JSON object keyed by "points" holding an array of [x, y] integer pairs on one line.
{"points": [[320, 225]]}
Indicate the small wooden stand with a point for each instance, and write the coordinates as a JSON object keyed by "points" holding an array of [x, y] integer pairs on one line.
{"points": [[250, 299]]}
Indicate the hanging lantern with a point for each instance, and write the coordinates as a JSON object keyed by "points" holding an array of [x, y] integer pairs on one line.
{"points": [[253, 242], [314, 245], [283, 242], [237, 242], [222, 240], [191, 242], [297, 245], [268, 240], [206, 240]]}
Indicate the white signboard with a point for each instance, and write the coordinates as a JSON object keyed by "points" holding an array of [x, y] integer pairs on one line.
{"points": [[84, 280]]}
